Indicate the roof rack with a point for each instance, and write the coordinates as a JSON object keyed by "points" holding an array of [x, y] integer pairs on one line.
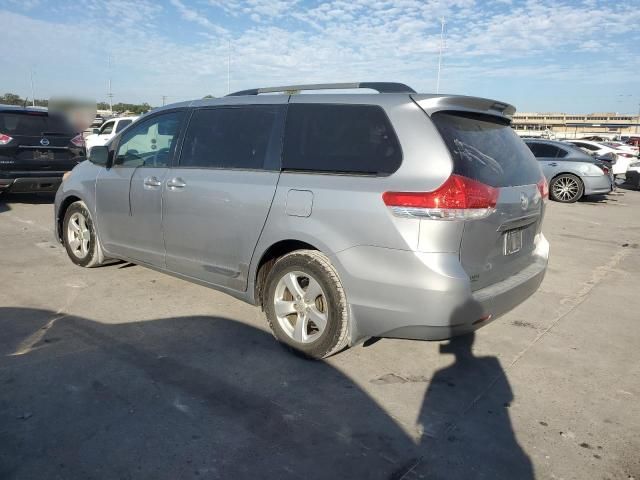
{"points": [[380, 87]]}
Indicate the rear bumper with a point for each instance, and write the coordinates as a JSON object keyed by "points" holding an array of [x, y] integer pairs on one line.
{"points": [[426, 296], [31, 183], [597, 185]]}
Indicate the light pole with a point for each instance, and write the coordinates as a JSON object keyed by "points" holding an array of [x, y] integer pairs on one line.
{"points": [[229, 68], [33, 92], [110, 93], [442, 22]]}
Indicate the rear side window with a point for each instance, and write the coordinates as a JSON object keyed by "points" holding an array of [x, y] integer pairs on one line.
{"points": [[486, 149], [33, 124], [122, 124], [247, 137], [544, 150], [340, 138]]}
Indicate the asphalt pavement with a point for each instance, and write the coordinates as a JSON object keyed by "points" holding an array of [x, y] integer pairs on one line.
{"points": [[121, 372]]}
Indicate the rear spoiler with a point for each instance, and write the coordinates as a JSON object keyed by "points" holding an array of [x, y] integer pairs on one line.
{"points": [[434, 103]]}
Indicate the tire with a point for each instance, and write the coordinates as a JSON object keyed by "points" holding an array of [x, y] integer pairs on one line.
{"points": [[76, 226], [311, 339], [566, 188]]}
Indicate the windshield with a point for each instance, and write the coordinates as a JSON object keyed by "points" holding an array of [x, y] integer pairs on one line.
{"points": [[485, 148], [17, 124]]}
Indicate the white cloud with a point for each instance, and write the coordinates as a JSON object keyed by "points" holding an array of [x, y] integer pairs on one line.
{"points": [[288, 41]]}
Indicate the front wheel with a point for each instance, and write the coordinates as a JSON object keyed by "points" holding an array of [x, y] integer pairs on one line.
{"points": [[566, 188], [306, 305], [79, 236]]}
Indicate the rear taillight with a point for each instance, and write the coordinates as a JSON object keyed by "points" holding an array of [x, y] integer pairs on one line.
{"points": [[604, 169], [4, 139], [78, 140], [543, 188], [459, 198]]}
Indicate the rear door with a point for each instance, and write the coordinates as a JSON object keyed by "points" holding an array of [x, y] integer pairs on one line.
{"points": [[217, 198], [486, 149], [548, 156], [39, 142]]}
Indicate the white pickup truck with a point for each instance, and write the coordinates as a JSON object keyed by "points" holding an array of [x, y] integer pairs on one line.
{"points": [[108, 130]]}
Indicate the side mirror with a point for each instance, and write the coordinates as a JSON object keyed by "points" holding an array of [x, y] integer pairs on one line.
{"points": [[95, 131], [99, 155]]}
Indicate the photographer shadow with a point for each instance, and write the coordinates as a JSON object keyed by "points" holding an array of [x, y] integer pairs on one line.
{"points": [[467, 430]]}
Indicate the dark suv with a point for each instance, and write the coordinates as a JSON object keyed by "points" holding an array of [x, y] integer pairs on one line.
{"points": [[36, 149]]}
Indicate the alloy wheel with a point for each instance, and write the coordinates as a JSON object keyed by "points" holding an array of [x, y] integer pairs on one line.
{"points": [[565, 189], [78, 235], [300, 306]]}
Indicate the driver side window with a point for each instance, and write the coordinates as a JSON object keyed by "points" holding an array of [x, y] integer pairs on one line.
{"points": [[107, 128], [150, 144]]}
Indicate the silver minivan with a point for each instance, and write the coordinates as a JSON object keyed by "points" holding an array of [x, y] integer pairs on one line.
{"points": [[342, 215]]}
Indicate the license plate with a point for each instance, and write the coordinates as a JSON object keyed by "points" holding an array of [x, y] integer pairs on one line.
{"points": [[40, 155], [512, 241]]}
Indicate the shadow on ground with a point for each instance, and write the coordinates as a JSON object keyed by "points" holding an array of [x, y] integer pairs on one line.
{"points": [[6, 199], [205, 397]]}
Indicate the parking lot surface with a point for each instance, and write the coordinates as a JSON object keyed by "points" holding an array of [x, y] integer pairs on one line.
{"points": [[121, 372]]}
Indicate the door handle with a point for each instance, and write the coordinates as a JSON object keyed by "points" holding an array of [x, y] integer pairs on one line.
{"points": [[152, 182], [553, 164], [176, 183]]}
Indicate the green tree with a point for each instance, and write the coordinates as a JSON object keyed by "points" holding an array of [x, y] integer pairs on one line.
{"points": [[11, 99]]}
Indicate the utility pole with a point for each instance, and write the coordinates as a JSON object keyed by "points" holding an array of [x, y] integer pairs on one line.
{"points": [[229, 68], [442, 22], [110, 93], [33, 93], [638, 119], [164, 98]]}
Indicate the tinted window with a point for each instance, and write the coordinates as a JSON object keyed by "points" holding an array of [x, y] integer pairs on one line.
{"points": [[544, 150], [247, 137], [33, 124], [486, 149], [340, 138], [107, 128], [593, 148], [122, 124], [151, 143]]}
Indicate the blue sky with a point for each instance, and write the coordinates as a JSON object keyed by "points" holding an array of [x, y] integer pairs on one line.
{"points": [[573, 56]]}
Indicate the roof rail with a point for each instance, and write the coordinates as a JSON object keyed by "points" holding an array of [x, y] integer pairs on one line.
{"points": [[380, 87]]}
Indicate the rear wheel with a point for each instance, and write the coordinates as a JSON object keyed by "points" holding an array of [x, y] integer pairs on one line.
{"points": [[566, 188], [305, 304], [79, 236]]}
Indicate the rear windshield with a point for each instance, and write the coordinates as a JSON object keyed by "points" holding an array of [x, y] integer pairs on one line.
{"points": [[32, 124], [486, 149]]}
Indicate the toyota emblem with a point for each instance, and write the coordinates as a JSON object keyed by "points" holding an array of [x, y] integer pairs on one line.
{"points": [[44, 142]]}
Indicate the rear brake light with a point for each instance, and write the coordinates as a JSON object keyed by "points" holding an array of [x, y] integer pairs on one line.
{"points": [[4, 139], [78, 140], [543, 188], [459, 198]]}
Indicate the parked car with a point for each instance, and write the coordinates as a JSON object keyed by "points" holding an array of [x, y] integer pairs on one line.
{"points": [[571, 173], [36, 149], [344, 216], [633, 175], [631, 150], [109, 129], [97, 121], [599, 149]]}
